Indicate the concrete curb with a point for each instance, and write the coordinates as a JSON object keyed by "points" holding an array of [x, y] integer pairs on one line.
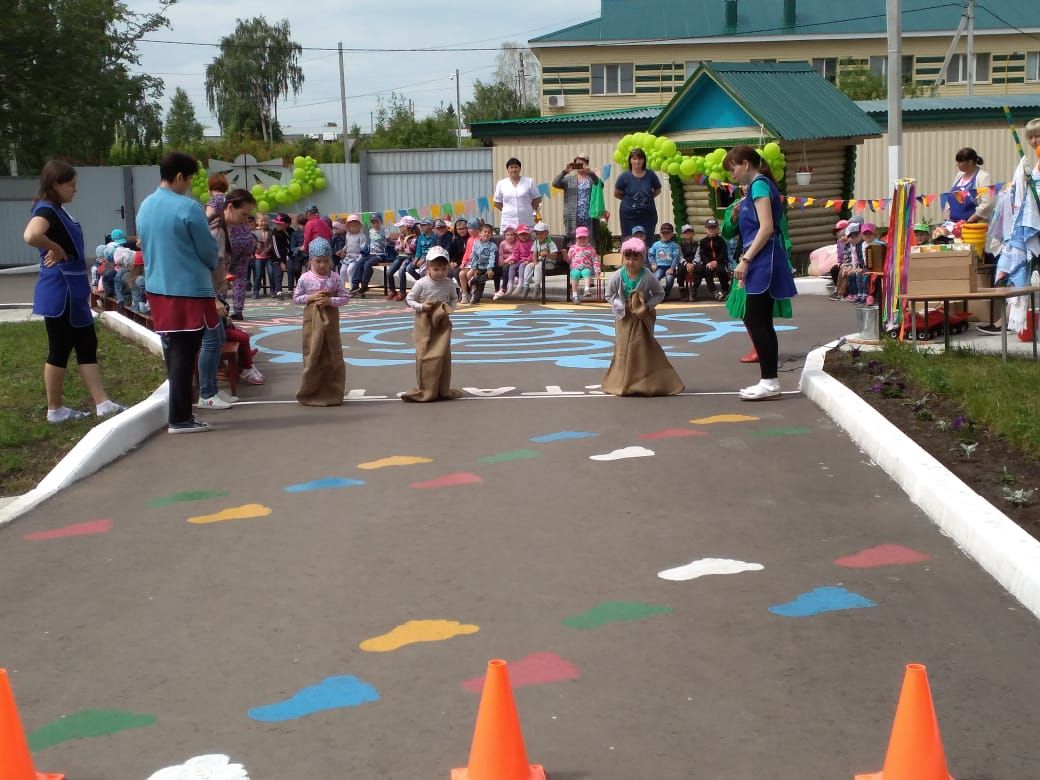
{"points": [[1009, 554], [107, 441], [19, 270]]}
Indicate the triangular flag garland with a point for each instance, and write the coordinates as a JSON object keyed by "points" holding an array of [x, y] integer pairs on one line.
{"points": [[483, 206]]}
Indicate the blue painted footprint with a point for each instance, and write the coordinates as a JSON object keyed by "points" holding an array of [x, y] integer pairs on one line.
{"points": [[563, 436], [327, 483], [822, 600], [332, 693]]}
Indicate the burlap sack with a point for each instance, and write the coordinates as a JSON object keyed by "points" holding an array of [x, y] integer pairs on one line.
{"points": [[432, 335], [639, 365], [324, 372]]}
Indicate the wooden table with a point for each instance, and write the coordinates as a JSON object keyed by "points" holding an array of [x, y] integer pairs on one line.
{"points": [[989, 294]]}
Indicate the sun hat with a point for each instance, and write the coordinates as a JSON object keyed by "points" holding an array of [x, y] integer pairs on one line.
{"points": [[868, 227], [100, 251], [435, 252], [540, 227], [523, 229], [353, 218], [281, 219], [687, 229], [638, 229], [337, 225], [376, 218], [425, 221], [711, 222], [474, 224], [852, 229], [841, 224], [312, 209], [582, 231], [922, 227], [440, 223], [319, 247], [634, 245]]}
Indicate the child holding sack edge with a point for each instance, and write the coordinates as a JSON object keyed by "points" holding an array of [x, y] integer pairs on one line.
{"points": [[321, 290], [433, 298]]}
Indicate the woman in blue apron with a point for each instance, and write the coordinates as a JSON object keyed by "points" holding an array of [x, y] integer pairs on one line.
{"points": [[62, 294], [763, 269], [964, 203]]}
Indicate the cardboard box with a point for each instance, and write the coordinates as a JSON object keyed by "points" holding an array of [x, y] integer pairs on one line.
{"points": [[942, 273]]}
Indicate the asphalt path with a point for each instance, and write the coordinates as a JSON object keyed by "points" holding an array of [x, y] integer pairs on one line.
{"points": [[207, 627]]}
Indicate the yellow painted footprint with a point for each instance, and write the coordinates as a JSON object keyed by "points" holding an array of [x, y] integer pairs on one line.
{"points": [[244, 512], [417, 631], [394, 460], [724, 418]]}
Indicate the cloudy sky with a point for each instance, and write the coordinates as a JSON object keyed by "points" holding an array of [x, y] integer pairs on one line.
{"points": [[476, 28]]}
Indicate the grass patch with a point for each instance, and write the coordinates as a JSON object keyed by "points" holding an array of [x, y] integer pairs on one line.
{"points": [[1002, 397], [30, 446]]}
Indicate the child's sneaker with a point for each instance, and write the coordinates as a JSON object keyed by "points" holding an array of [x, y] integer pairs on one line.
{"points": [[213, 402], [498, 294], [575, 298], [64, 414], [108, 407], [849, 299], [192, 426], [525, 293], [586, 293], [252, 377]]}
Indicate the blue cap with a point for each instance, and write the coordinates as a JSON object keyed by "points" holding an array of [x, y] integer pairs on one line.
{"points": [[118, 237], [425, 221], [319, 247], [638, 229], [312, 209], [110, 250], [474, 224], [100, 251]]}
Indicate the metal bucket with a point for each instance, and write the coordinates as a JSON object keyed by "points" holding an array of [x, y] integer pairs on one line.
{"points": [[867, 321]]}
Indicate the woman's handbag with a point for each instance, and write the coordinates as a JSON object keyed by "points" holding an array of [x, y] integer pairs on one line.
{"points": [[596, 205]]}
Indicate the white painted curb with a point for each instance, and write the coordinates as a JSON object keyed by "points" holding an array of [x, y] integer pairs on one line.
{"points": [[104, 442], [1009, 554]]}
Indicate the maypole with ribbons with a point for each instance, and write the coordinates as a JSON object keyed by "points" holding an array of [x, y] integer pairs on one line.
{"points": [[897, 258]]}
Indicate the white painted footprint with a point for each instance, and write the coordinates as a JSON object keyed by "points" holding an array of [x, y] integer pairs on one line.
{"points": [[211, 767], [623, 453], [705, 566]]}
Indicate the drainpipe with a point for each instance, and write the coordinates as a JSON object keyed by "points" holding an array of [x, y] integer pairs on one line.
{"points": [[731, 13]]}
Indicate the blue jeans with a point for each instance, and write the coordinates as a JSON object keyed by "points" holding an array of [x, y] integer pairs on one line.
{"points": [[401, 260], [668, 279], [108, 280], [209, 359], [261, 269], [137, 294], [407, 270]]}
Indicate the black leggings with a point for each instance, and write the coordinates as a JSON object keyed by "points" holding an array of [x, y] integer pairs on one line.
{"points": [[63, 337], [758, 319]]}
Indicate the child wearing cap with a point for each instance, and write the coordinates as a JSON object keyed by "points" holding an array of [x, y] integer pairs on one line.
{"points": [[442, 235], [853, 263], [355, 247], [639, 365], [922, 234], [297, 261], [482, 261], [713, 261], [322, 293], [584, 263], [433, 298], [505, 268], [688, 247], [665, 256], [546, 254], [135, 281], [405, 248], [523, 260]]}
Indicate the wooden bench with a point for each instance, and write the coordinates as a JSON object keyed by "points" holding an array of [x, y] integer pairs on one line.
{"points": [[989, 294]]}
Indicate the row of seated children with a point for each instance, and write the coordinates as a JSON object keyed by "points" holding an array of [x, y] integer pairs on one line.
{"points": [[689, 261], [852, 278], [118, 272]]}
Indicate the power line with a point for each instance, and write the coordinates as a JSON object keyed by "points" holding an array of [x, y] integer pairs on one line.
{"points": [[1004, 21]]}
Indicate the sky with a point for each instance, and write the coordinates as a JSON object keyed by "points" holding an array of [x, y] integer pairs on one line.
{"points": [[423, 77]]}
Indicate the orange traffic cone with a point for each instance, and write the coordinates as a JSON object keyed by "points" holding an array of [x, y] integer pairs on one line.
{"points": [[915, 750], [14, 749], [498, 751]]}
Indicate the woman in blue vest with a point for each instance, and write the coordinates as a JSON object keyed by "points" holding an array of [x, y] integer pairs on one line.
{"points": [[965, 203], [62, 294], [763, 269]]}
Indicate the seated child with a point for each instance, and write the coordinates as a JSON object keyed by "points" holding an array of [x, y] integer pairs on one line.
{"points": [[922, 234], [545, 253], [405, 248], [584, 262], [505, 268], [854, 265], [324, 373], [355, 248], [249, 373], [433, 298], [713, 261], [136, 281], [639, 365], [523, 259], [482, 261], [665, 256]]}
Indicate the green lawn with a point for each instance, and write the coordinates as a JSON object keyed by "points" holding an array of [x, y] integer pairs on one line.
{"points": [[1003, 397], [29, 445]]}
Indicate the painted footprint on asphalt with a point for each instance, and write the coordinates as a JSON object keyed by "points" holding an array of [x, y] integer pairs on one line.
{"points": [[882, 555], [185, 495], [332, 693], [706, 566], [786, 431], [394, 460], [84, 724], [820, 600], [505, 457], [624, 454], [244, 512], [724, 418], [448, 480], [562, 436], [326, 483], [89, 528], [211, 767], [614, 612], [534, 669], [415, 631], [672, 433]]}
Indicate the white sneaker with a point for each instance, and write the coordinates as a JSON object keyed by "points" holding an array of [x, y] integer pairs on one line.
{"points": [[587, 292], [764, 390], [214, 402], [231, 399], [498, 295], [575, 298], [525, 293], [251, 377]]}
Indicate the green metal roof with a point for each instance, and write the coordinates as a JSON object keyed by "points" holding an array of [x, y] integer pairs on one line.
{"points": [[957, 109], [641, 20], [789, 99], [617, 120]]}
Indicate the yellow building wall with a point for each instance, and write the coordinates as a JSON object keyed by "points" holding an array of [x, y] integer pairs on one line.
{"points": [[672, 59]]}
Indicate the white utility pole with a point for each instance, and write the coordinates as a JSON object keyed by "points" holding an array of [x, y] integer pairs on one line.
{"points": [[343, 105], [458, 106], [895, 92], [970, 56]]}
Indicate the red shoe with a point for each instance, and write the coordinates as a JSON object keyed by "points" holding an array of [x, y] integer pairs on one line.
{"points": [[390, 296], [399, 297], [750, 357]]}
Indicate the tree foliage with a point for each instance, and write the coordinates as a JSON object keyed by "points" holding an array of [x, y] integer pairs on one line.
{"points": [[495, 101], [859, 82], [258, 65], [182, 128], [397, 128], [66, 88]]}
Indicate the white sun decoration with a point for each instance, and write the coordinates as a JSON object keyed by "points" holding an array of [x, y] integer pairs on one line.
{"points": [[211, 767]]}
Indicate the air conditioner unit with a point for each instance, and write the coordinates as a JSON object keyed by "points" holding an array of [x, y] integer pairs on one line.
{"points": [[556, 101]]}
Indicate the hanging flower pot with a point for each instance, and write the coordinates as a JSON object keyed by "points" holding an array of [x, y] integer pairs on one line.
{"points": [[803, 176]]}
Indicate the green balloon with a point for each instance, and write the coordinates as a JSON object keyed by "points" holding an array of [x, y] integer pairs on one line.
{"points": [[619, 156], [771, 149], [687, 167], [282, 196], [295, 190], [298, 160], [306, 188], [667, 146], [673, 169], [203, 197], [299, 173], [257, 190], [263, 206], [320, 183]]}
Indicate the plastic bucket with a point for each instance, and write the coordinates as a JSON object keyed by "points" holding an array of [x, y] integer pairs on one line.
{"points": [[867, 322], [1027, 334], [974, 233], [803, 177]]}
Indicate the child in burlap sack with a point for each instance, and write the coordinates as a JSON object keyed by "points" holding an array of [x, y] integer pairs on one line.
{"points": [[433, 298], [321, 289]]}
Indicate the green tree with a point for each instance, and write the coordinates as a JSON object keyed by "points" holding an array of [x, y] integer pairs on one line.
{"points": [[859, 82], [66, 86], [182, 128], [495, 101], [258, 65], [397, 128]]}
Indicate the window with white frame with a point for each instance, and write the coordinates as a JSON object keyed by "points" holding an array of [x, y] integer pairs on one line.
{"points": [[1033, 66], [615, 79], [957, 73], [826, 67], [879, 66]]}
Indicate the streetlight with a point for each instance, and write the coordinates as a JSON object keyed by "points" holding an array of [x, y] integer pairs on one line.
{"points": [[458, 107]]}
